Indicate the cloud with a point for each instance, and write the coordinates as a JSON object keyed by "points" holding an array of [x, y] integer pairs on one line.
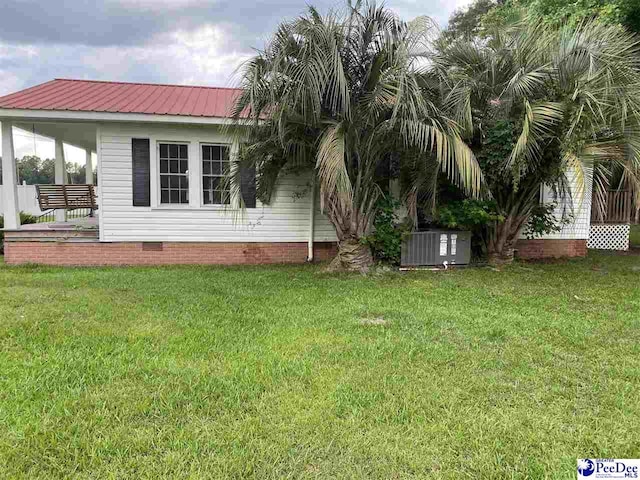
{"points": [[207, 55], [131, 22], [135, 22], [162, 41]]}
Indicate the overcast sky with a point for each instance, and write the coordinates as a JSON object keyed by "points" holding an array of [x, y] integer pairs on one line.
{"points": [[195, 42]]}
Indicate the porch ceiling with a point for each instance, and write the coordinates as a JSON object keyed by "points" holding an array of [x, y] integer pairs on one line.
{"points": [[78, 134]]}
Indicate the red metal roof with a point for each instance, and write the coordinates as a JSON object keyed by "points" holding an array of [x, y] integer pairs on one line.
{"points": [[120, 97]]}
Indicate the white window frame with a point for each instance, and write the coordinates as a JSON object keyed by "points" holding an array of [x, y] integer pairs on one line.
{"points": [[201, 175], [194, 143], [157, 174]]}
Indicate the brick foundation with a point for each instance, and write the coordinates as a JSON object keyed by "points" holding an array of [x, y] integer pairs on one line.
{"points": [[540, 248], [161, 253], [185, 253]]}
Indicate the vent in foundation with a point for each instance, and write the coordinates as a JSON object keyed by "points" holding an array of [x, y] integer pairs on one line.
{"points": [[152, 246]]}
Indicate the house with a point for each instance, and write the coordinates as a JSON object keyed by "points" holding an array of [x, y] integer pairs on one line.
{"points": [[160, 153]]}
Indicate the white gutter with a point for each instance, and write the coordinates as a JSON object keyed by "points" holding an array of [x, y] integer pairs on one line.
{"points": [[312, 214]]}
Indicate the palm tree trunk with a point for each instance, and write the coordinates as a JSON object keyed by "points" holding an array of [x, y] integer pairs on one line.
{"points": [[517, 208], [351, 226], [354, 256], [500, 249]]}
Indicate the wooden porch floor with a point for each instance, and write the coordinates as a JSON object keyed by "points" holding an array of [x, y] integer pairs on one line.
{"points": [[74, 230], [85, 223]]}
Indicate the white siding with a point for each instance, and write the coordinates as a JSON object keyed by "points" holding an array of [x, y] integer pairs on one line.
{"points": [[578, 227], [285, 219]]}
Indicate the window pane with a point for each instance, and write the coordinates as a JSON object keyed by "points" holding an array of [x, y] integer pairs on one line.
{"points": [[174, 166], [215, 160], [215, 153]]}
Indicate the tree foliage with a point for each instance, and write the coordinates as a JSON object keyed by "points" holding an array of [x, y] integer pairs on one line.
{"points": [[468, 214], [341, 95], [560, 12], [34, 171], [483, 16], [541, 105], [388, 232], [466, 23]]}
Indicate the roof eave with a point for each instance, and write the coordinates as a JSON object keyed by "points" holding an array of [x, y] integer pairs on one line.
{"points": [[83, 116]]}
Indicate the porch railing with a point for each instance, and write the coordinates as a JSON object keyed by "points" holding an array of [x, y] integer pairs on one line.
{"points": [[618, 207], [46, 217], [50, 215]]}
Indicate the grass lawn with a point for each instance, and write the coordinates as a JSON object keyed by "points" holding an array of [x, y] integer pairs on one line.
{"points": [[634, 236], [274, 372]]}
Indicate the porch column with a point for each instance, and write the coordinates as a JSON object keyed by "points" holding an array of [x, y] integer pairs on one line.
{"points": [[9, 178], [60, 175], [88, 169]]}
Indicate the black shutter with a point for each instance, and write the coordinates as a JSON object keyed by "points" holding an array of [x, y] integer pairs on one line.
{"points": [[248, 186], [141, 177]]}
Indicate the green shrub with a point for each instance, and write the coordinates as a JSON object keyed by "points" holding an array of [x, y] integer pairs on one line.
{"points": [[543, 221], [386, 239], [475, 216], [25, 218], [467, 214]]}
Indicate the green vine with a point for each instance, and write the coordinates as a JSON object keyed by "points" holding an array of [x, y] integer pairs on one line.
{"points": [[386, 239]]}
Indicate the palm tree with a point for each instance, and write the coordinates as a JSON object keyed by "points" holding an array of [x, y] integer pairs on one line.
{"points": [[340, 95], [543, 106]]}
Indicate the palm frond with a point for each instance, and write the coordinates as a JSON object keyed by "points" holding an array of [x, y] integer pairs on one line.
{"points": [[538, 121], [331, 165]]}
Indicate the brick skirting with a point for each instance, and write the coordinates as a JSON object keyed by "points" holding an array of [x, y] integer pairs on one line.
{"points": [[214, 253], [161, 253], [540, 248]]}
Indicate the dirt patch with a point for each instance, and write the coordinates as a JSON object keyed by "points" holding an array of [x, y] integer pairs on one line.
{"points": [[373, 321]]}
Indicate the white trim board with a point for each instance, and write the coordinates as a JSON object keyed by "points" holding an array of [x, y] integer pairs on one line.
{"points": [[66, 115]]}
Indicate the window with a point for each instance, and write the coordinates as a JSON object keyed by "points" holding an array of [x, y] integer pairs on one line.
{"points": [[215, 165], [174, 173]]}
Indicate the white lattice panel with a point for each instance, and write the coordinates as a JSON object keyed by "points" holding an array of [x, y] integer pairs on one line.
{"points": [[609, 236]]}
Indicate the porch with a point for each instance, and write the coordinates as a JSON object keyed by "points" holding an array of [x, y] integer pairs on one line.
{"points": [[80, 229], [82, 135]]}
